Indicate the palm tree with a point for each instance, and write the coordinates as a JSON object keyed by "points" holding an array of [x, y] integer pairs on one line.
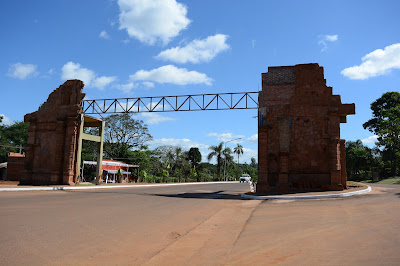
{"points": [[220, 153], [238, 150]]}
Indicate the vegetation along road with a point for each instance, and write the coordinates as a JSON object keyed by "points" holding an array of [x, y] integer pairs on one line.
{"points": [[197, 224]]}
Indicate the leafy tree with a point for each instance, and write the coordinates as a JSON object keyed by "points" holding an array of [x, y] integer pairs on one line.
{"points": [[238, 150], [123, 133], [172, 159], [178, 159], [386, 125], [141, 158], [221, 155], [12, 138], [194, 156], [228, 158], [359, 160], [253, 163], [17, 133], [248, 169]]}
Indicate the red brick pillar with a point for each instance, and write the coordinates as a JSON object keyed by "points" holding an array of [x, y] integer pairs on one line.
{"points": [[262, 183], [70, 150], [284, 127], [283, 181], [334, 163], [343, 172]]}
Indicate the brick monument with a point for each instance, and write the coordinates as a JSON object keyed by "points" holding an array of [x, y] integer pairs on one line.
{"points": [[51, 150], [299, 145]]}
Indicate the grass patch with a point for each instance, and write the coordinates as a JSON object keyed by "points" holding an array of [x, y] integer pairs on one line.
{"points": [[394, 180]]}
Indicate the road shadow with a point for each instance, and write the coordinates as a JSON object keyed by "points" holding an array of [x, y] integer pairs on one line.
{"points": [[187, 195], [203, 195]]}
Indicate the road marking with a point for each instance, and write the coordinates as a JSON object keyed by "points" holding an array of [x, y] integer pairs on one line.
{"points": [[324, 196]]}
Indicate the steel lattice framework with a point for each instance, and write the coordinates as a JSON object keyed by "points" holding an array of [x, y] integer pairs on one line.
{"points": [[199, 102]]}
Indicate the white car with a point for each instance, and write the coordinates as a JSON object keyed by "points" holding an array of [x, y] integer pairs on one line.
{"points": [[244, 178]]}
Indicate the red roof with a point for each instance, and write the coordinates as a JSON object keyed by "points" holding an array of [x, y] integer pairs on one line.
{"points": [[16, 154]]}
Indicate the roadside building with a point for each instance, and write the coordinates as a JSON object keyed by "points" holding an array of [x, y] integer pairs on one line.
{"points": [[113, 169]]}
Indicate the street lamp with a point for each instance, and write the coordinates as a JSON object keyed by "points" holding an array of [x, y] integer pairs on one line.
{"points": [[225, 155]]}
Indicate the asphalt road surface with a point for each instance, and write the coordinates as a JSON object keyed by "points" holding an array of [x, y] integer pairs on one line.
{"points": [[206, 224]]}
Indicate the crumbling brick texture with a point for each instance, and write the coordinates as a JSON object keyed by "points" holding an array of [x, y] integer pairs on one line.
{"points": [[299, 131], [53, 134], [15, 166]]}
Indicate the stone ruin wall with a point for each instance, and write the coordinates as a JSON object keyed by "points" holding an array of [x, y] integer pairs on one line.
{"points": [[299, 141], [53, 135]]}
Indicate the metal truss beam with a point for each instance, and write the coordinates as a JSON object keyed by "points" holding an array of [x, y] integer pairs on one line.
{"points": [[199, 102]]}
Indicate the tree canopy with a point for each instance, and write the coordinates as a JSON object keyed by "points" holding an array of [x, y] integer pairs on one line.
{"points": [[359, 160], [122, 133], [238, 150], [223, 155], [12, 138], [194, 156], [385, 123]]}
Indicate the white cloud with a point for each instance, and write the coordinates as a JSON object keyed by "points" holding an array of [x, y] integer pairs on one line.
{"points": [[73, 70], [226, 137], [376, 63], [103, 81], [196, 51], [126, 88], [6, 120], [152, 20], [370, 140], [253, 43], [173, 75], [325, 39], [246, 156], [104, 35], [253, 139], [155, 118], [22, 71], [148, 84], [331, 38]]}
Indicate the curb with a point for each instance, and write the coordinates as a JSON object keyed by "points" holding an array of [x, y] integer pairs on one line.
{"points": [[326, 196], [108, 187]]}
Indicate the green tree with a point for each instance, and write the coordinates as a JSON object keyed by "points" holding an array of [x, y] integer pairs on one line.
{"points": [[13, 138], [248, 169], [177, 158], [385, 123], [194, 156], [253, 163], [221, 155], [229, 164], [238, 150], [359, 160], [123, 133]]}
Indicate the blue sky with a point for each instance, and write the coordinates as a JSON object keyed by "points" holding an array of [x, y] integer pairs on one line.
{"points": [[138, 48]]}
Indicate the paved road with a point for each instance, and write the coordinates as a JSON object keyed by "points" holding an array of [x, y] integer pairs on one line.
{"points": [[197, 224]]}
